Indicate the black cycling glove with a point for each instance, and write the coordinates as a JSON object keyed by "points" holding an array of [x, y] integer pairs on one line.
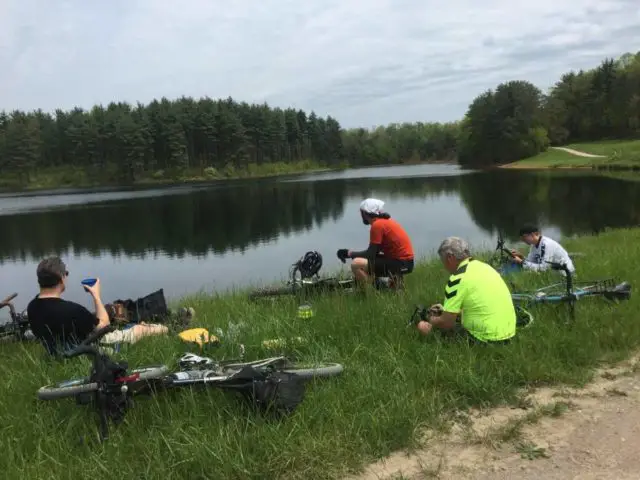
{"points": [[343, 254]]}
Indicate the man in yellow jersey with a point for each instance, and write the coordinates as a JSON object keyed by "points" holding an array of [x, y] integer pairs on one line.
{"points": [[475, 293]]}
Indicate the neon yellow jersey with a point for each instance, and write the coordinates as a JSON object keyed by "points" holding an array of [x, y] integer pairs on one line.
{"points": [[478, 291]]}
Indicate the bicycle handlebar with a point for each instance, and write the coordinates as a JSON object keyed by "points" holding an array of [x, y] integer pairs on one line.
{"points": [[81, 350], [85, 347], [98, 334], [559, 266], [565, 269], [7, 300]]}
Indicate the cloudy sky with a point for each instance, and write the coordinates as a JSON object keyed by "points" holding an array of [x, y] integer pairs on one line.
{"points": [[366, 62]]}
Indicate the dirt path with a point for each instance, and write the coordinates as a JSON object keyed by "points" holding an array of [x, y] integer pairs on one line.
{"points": [[578, 153], [588, 434]]}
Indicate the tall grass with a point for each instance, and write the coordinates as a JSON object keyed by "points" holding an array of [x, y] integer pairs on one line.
{"points": [[393, 385]]}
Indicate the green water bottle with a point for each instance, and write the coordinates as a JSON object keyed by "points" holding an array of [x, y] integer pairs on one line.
{"points": [[305, 311]]}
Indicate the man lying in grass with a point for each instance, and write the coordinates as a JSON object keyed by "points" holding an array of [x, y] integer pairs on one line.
{"points": [[60, 324], [543, 250], [476, 294]]}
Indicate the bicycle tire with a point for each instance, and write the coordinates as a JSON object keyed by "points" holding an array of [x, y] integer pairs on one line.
{"points": [[322, 370], [76, 386]]}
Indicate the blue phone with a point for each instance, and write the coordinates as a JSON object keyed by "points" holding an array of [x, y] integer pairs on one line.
{"points": [[89, 282]]}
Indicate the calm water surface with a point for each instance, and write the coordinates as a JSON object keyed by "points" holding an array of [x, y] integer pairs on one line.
{"points": [[205, 238]]}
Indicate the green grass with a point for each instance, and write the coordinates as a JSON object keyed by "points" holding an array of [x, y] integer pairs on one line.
{"points": [[70, 177], [618, 154], [394, 384]]}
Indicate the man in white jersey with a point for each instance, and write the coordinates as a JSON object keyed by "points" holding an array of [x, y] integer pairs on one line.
{"points": [[543, 250]]}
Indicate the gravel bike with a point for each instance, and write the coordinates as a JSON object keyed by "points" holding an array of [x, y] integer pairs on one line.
{"points": [[272, 384], [18, 326]]}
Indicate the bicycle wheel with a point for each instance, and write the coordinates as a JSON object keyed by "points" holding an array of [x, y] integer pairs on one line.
{"points": [[321, 370], [76, 386]]}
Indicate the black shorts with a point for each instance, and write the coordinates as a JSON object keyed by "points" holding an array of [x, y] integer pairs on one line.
{"points": [[385, 267]]}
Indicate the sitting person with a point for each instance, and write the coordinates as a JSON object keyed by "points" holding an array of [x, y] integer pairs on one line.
{"points": [[60, 324], [476, 295], [390, 252], [543, 250]]}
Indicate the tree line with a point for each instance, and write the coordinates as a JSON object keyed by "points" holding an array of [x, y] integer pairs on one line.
{"points": [[517, 120], [121, 142]]}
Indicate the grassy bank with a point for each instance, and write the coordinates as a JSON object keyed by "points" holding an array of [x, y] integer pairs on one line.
{"points": [[67, 177], [616, 155], [394, 383]]}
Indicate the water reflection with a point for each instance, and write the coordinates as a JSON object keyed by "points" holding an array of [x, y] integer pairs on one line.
{"points": [[250, 231]]}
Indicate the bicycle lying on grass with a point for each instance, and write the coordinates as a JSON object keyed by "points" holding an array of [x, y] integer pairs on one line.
{"points": [[571, 291], [272, 384], [304, 280], [18, 327]]}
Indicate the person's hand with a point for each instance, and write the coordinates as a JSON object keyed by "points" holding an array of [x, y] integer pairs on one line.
{"points": [[424, 327], [517, 260], [516, 254], [93, 290], [343, 254], [435, 310]]}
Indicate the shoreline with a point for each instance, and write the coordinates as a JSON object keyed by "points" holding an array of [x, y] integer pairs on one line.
{"points": [[149, 183]]}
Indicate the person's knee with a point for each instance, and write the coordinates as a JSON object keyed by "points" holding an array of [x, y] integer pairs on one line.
{"points": [[359, 264]]}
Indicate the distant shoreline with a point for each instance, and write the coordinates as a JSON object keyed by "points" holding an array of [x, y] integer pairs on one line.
{"points": [[191, 180]]}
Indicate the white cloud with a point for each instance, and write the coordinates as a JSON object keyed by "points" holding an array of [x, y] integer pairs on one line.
{"points": [[364, 62]]}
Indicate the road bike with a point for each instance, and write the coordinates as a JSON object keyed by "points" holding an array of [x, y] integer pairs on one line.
{"points": [[18, 326], [273, 384]]}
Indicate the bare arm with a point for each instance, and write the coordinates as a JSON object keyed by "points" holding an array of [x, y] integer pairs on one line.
{"points": [[101, 312], [445, 321]]}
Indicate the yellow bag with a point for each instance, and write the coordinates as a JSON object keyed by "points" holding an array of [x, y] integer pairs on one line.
{"points": [[198, 335]]}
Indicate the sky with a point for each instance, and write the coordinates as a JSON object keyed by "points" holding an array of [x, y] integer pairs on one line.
{"points": [[364, 62]]}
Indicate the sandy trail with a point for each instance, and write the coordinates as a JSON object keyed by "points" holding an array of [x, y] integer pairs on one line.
{"points": [[578, 153], [588, 434]]}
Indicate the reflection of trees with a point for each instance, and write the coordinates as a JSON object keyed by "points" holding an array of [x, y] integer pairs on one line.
{"points": [[246, 214], [218, 219], [576, 204]]}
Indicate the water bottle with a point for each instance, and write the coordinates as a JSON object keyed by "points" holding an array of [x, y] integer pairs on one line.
{"points": [[305, 311]]}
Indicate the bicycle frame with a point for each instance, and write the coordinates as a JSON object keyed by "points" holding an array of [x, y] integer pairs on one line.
{"points": [[116, 386], [605, 288], [19, 323]]}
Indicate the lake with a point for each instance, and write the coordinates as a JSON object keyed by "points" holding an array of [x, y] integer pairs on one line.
{"points": [[213, 237]]}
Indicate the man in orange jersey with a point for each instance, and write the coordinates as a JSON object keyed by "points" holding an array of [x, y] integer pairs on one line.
{"points": [[390, 252]]}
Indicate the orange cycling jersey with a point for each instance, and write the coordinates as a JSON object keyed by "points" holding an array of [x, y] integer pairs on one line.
{"points": [[392, 238]]}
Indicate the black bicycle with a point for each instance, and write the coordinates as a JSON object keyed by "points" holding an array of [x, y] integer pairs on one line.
{"points": [[304, 280], [502, 257], [421, 313], [273, 384], [18, 326]]}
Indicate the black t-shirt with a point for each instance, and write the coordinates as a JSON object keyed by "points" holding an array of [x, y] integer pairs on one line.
{"points": [[59, 324]]}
